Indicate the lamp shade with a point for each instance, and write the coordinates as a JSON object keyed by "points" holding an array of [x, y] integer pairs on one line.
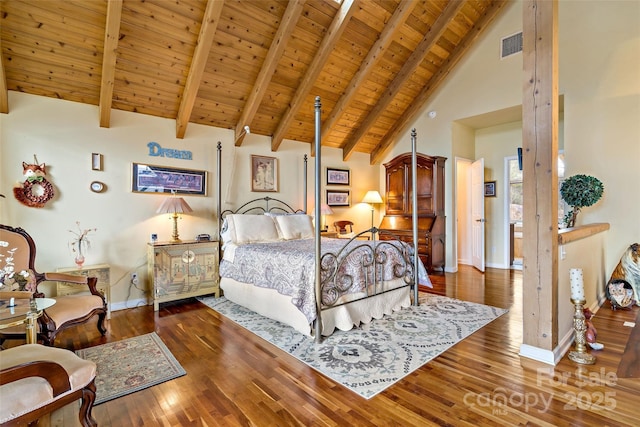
{"points": [[326, 209], [372, 197], [174, 205]]}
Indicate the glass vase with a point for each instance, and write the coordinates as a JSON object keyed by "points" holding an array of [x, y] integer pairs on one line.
{"points": [[79, 260]]}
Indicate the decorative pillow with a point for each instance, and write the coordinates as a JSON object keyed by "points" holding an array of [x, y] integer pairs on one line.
{"points": [[295, 226], [254, 229], [228, 231]]}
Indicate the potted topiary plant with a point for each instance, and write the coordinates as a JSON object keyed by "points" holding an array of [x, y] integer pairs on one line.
{"points": [[580, 191]]}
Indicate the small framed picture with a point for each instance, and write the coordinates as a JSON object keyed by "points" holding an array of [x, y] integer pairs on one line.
{"points": [[264, 173], [338, 198], [96, 161], [338, 176], [490, 189]]}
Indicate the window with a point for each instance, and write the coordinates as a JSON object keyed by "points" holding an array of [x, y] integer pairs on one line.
{"points": [[515, 191]]}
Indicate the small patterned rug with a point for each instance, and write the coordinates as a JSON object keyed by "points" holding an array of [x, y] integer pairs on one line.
{"points": [[374, 356], [131, 365]]}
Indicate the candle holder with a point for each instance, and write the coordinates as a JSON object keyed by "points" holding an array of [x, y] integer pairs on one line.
{"points": [[580, 354]]}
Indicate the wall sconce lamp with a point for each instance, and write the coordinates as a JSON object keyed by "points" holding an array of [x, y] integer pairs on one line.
{"points": [[372, 198], [174, 206], [325, 210], [246, 130]]}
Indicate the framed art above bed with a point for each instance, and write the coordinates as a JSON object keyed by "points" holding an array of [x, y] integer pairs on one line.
{"points": [[264, 173]]}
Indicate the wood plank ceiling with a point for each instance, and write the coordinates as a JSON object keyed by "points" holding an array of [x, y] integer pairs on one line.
{"points": [[234, 63]]}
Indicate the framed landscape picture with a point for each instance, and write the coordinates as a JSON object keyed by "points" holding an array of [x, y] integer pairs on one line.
{"points": [[338, 198], [338, 176], [164, 179]]}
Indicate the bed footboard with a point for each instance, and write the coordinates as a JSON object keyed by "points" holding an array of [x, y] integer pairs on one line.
{"points": [[365, 268]]}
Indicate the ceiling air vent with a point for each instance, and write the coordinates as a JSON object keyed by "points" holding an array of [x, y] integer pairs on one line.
{"points": [[510, 45]]}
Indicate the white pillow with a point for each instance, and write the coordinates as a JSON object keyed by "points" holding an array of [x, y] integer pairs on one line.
{"points": [[254, 229], [295, 226]]}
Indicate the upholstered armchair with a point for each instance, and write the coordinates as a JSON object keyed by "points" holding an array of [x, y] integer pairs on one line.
{"points": [[36, 380], [17, 257]]}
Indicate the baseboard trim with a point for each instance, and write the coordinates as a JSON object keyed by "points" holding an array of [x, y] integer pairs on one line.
{"points": [[540, 355], [129, 304]]}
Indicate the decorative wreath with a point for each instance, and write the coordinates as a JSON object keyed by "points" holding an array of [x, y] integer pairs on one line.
{"points": [[28, 192], [27, 196]]}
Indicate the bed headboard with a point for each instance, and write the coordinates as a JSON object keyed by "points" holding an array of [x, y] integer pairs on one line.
{"points": [[261, 206], [257, 206]]}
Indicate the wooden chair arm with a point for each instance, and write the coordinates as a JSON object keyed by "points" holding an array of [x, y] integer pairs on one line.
{"points": [[64, 277], [91, 282], [53, 372]]}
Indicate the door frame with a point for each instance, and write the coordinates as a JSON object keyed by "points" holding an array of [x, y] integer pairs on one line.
{"points": [[507, 213], [478, 215], [461, 223]]}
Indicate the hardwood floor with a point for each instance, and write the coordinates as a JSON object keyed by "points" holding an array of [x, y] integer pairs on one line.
{"points": [[629, 366], [236, 379]]}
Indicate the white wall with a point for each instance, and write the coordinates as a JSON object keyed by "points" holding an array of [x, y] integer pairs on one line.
{"points": [[64, 134]]}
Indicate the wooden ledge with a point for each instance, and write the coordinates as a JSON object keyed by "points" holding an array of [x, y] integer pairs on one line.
{"points": [[567, 235]]}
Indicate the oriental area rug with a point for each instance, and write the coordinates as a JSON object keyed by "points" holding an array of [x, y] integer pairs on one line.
{"points": [[374, 356], [130, 365]]}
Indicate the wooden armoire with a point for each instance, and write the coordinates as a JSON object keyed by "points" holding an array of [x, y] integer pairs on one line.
{"points": [[399, 205]]}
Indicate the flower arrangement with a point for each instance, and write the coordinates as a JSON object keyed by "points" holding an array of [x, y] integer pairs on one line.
{"points": [[80, 244]]}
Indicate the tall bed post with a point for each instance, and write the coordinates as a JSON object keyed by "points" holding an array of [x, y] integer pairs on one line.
{"points": [[219, 201], [414, 214], [304, 186], [318, 123]]}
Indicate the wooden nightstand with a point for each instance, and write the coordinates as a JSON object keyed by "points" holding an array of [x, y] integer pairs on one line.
{"points": [[183, 270], [332, 234]]}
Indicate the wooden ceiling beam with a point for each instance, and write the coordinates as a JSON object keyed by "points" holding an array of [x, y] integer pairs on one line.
{"points": [[111, 36], [288, 24], [4, 94], [436, 80], [337, 27], [408, 68], [203, 48], [398, 18]]}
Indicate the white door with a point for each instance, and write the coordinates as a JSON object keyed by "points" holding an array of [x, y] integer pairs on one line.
{"points": [[477, 214]]}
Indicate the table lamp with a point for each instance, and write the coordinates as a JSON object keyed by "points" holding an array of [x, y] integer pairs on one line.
{"points": [[174, 205], [373, 198], [325, 210]]}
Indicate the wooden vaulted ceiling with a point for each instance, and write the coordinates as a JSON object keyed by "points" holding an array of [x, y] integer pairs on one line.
{"points": [[237, 63]]}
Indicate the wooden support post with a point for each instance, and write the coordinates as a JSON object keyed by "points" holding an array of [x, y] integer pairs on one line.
{"points": [[540, 179]]}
